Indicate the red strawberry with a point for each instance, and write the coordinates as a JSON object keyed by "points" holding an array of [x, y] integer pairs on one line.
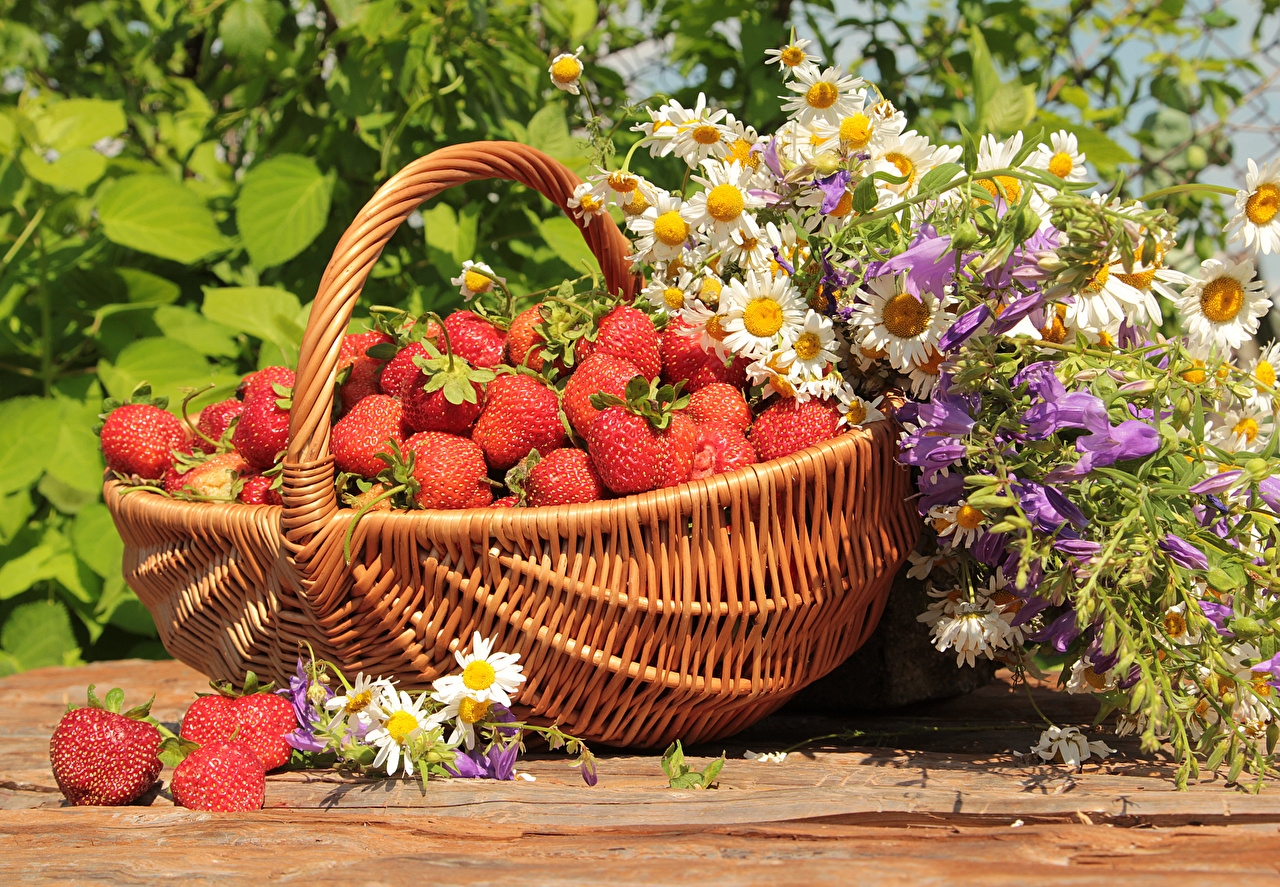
{"points": [[401, 369], [212, 478], [718, 448], [639, 444], [788, 426], [476, 339], [221, 777], [102, 757], [524, 341], [679, 442], [506, 502], [361, 370], [563, 477], [450, 471], [259, 490], [599, 372], [361, 500], [446, 395], [259, 720], [684, 360], [214, 421], [520, 414], [263, 430], [628, 333], [720, 402], [138, 439], [369, 429], [264, 382]]}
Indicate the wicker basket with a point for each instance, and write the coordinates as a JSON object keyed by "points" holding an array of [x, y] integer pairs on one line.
{"points": [[688, 612]]}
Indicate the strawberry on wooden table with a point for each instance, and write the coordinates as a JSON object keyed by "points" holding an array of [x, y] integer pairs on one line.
{"points": [[139, 436], [253, 716], [100, 756], [220, 777]]}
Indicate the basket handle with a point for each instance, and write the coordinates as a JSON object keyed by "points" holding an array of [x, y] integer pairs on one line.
{"points": [[308, 468]]}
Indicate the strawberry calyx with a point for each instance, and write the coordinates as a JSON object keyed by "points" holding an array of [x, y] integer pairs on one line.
{"points": [[395, 479], [219, 446], [567, 319], [114, 701], [654, 402], [517, 477], [250, 686], [173, 750], [449, 372]]}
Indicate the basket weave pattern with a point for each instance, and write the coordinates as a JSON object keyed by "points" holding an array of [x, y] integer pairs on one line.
{"points": [[683, 613]]}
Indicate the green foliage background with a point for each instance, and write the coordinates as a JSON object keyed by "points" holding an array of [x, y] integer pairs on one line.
{"points": [[174, 175]]}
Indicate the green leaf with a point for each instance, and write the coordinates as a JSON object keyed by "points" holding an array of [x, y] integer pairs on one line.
{"points": [[1010, 109], [74, 170], [156, 215], [76, 460], [264, 312], [864, 196], [192, 329], [712, 771], [39, 634], [1100, 150], [282, 207], [564, 237], [78, 123], [940, 175], [549, 133], [15, 508], [96, 542], [168, 365], [147, 288], [244, 30], [28, 434], [986, 79]]}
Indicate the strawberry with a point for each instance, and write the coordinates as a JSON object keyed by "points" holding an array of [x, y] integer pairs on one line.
{"points": [[476, 339], [214, 478], [102, 757], [259, 490], [221, 777], [720, 447], [788, 426], [628, 333], [598, 373], [524, 341], [214, 421], [368, 499], [138, 439], [679, 442], [259, 719], [506, 502], [262, 432], [358, 372], [264, 382], [365, 432], [520, 414], [720, 402], [684, 360], [562, 477], [449, 470], [628, 440], [401, 369], [446, 395]]}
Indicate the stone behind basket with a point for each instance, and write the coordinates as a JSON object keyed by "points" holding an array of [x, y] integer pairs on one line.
{"points": [[688, 612]]}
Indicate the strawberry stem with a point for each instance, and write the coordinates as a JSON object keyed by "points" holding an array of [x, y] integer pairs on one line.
{"points": [[191, 395], [351, 527], [448, 345]]}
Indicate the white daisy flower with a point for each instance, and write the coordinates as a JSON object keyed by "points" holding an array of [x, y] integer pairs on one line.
{"points": [[1062, 157], [623, 188], [820, 94], [465, 713], [725, 202], [1243, 431], [1084, 679], [814, 349], [783, 239], [1256, 221], [699, 132], [668, 296], [855, 411], [586, 205], [706, 323], [476, 279], [909, 154], [792, 56], [823, 386], [1177, 628], [924, 376], [397, 721], [1070, 746], [1106, 301], [769, 757], [355, 703], [975, 629], [1224, 305], [795, 145], [922, 564], [661, 230], [763, 313], [486, 676], [748, 246], [859, 131], [993, 154], [775, 377], [894, 321], [1264, 374], [740, 139], [960, 525], [660, 130], [566, 71]]}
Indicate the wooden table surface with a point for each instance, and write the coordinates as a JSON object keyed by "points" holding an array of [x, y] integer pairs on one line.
{"points": [[926, 796]]}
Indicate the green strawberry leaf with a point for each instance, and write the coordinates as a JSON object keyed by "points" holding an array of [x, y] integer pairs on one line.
{"points": [[141, 712], [173, 750], [94, 701], [114, 700]]}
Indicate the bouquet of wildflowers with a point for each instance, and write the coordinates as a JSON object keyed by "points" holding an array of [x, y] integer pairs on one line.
{"points": [[463, 728], [1097, 467]]}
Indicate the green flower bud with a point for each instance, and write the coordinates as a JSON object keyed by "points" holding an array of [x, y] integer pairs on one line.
{"points": [[1245, 627], [966, 236], [826, 163], [1258, 469]]}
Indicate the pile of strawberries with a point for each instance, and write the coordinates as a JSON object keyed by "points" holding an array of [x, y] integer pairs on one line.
{"points": [[227, 742], [563, 403]]}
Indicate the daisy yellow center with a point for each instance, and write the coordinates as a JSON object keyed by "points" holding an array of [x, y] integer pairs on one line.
{"points": [[792, 56], [1139, 280], [1260, 685], [713, 328], [856, 131], [873, 353], [1007, 601], [637, 205], [902, 163], [706, 134], [905, 316], [1175, 626], [782, 385], [566, 70], [1246, 428], [762, 318], [808, 346], [1195, 376], [1009, 188], [1263, 204], [357, 702], [589, 204], [740, 151], [1223, 371], [472, 712], [1093, 679], [968, 517], [1061, 164], [622, 183], [748, 244], [856, 414], [673, 297], [725, 203], [709, 291], [1098, 280], [883, 110], [477, 282], [1105, 340], [670, 228], [821, 95], [1265, 373], [1222, 299], [820, 300], [400, 725], [933, 365], [1056, 331], [843, 205], [479, 675]]}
